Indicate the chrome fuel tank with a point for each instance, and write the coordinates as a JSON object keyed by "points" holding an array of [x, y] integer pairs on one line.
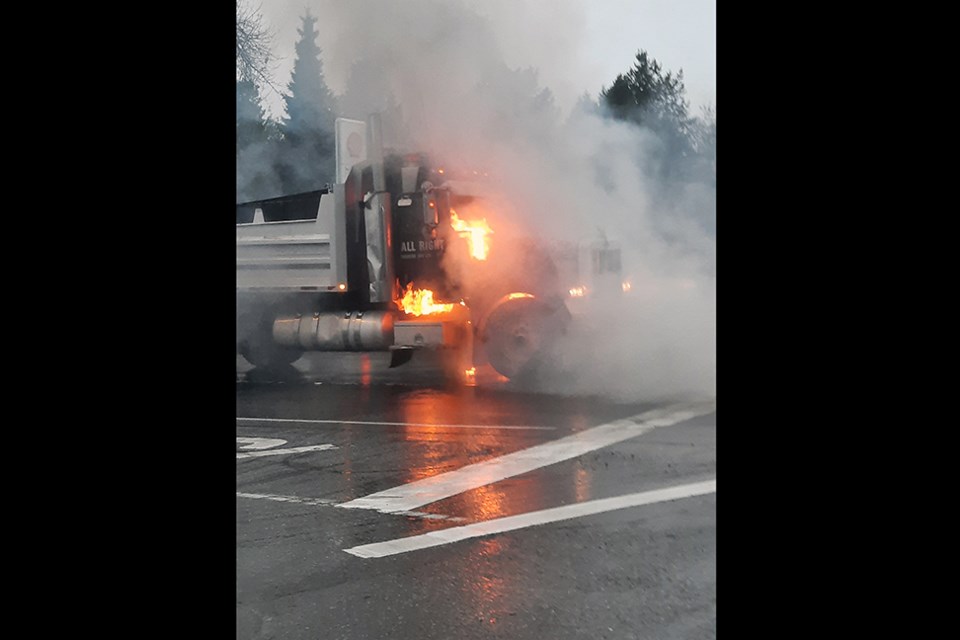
{"points": [[336, 331]]}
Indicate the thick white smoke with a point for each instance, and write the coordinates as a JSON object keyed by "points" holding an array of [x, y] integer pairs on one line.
{"points": [[449, 70]]}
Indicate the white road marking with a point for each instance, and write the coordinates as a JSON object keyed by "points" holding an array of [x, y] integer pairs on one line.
{"points": [[259, 443], [317, 502], [429, 516], [533, 518], [401, 424], [285, 452], [411, 496], [324, 502]]}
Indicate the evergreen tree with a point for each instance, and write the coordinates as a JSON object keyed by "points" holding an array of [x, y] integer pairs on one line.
{"points": [[251, 123], [585, 105], [515, 105], [256, 146], [308, 128], [700, 194], [705, 144], [682, 160], [368, 91], [653, 99]]}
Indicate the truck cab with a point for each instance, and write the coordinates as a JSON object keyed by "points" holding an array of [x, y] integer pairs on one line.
{"points": [[359, 266]]}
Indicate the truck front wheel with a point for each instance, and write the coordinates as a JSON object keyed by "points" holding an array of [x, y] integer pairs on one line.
{"points": [[519, 332]]}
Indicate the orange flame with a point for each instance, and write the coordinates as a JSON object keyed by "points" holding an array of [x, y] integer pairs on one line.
{"points": [[475, 232], [420, 302]]}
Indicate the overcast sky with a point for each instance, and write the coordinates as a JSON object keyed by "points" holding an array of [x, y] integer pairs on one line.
{"points": [[577, 45]]}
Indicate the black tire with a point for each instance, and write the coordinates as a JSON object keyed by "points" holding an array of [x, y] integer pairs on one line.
{"points": [[518, 335], [259, 349], [268, 355]]}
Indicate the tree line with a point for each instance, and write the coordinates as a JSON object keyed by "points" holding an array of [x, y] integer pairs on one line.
{"points": [[272, 155], [296, 153]]}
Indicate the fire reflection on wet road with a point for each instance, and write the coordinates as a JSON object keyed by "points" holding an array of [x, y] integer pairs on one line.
{"points": [[487, 588], [642, 572]]}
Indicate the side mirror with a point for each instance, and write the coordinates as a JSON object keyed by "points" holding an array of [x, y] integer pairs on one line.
{"points": [[431, 216], [436, 200]]}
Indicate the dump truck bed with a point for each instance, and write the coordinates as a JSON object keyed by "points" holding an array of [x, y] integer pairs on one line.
{"points": [[301, 251]]}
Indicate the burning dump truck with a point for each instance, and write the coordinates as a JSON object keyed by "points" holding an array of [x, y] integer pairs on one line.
{"points": [[360, 266]]}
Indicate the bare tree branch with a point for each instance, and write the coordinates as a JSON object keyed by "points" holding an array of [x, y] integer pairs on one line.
{"points": [[255, 57]]}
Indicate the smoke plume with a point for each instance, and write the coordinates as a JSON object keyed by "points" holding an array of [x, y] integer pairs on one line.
{"points": [[459, 81]]}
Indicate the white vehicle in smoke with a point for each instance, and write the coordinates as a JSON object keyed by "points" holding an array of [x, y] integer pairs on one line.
{"points": [[359, 267]]}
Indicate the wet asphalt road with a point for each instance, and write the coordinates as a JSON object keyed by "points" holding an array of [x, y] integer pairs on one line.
{"points": [[331, 430]]}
